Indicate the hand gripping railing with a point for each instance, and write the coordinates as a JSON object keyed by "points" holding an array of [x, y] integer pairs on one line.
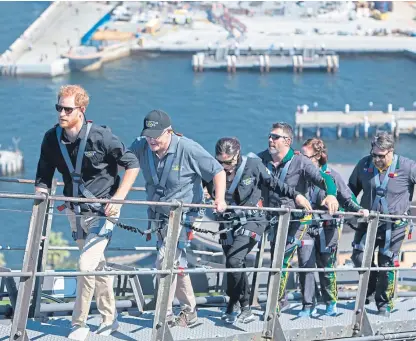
{"points": [[272, 328]]}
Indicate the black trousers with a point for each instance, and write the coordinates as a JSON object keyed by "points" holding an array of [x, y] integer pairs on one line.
{"points": [[382, 283], [312, 254], [238, 288]]}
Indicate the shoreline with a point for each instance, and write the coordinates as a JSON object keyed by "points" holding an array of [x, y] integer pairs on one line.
{"points": [[34, 54]]}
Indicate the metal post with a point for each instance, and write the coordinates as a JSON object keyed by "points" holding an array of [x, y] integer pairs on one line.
{"points": [[272, 328], [258, 264], [160, 329], [10, 286], [134, 284], [361, 324], [18, 331], [34, 310], [396, 278]]}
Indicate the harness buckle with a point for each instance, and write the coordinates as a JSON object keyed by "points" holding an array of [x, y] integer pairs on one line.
{"points": [[76, 177], [159, 190], [381, 192], [274, 220]]}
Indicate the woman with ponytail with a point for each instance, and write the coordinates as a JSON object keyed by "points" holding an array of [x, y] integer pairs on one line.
{"points": [[320, 242]]}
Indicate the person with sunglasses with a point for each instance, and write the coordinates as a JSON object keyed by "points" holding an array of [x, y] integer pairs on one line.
{"points": [[243, 229], [295, 170], [173, 169], [387, 181], [320, 241], [88, 156]]}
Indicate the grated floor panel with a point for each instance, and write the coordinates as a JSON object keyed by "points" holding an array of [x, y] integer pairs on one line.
{"points": [[210, 326]]}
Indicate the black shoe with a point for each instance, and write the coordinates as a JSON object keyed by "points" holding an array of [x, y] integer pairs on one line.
{"points": [[232, 309]]}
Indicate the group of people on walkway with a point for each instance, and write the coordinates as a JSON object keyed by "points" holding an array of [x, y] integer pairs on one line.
{"points": [[89, 157]]}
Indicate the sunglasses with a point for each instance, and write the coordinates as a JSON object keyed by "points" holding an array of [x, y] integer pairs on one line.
{"points": [[227, 162], [68, 110], [275, 137], [378, 156]]}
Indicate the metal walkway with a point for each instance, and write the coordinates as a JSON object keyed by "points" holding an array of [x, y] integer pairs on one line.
{"points": [[211, 327], [355, 320]]}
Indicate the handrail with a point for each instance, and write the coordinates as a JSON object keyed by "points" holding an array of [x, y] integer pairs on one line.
{"points": [[134, 202], [41, 221], [59, 183], [148, 271], [174, 205]]}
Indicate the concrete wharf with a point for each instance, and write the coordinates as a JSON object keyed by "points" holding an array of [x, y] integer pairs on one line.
{"points": [[400, 122], [37, 52]]}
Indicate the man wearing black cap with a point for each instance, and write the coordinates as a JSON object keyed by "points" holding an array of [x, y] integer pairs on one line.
{"points": [[173, 168]]}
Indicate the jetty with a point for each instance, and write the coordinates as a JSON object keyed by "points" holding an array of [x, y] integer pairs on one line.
{"points": [[295, 59], [12, 160], [398, 121]]}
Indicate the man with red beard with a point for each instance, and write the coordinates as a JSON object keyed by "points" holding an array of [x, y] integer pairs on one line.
{"points": [[88, 156]]}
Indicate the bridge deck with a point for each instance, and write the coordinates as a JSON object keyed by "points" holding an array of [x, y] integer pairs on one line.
{"points": [[210, 326]]}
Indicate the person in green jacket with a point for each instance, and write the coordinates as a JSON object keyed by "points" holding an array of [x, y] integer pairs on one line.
{"points": [[320, 241]]}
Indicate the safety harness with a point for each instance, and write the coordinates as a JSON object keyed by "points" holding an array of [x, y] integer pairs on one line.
{"points": [[274, 221], [158, 222], [381, 201], [237, 217], [79, 189], [318, 222]]}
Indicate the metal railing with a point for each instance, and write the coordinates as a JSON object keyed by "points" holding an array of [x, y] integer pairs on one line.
{"points": [[34, 264]]}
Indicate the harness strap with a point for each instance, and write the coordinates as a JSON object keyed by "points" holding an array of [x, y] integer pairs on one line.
{"points": [[238, 175], [361, 245], [283, 173], [386, 249], [76, 174], [381, 189], [159, 184], [322, 240]]}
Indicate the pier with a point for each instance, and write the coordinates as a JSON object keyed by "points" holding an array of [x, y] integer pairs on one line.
{"points": [[295, 59], [399, 122]]}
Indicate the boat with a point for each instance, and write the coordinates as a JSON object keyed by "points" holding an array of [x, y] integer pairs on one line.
{"points": [[91, 57]]}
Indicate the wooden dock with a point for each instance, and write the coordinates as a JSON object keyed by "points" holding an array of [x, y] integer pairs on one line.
{"points": [[299, 60], [400, 122]]}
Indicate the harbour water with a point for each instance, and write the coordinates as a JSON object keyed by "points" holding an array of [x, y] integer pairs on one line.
{"points": [[203, 107]]}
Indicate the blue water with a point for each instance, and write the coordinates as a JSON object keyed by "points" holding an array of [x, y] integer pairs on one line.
{"points": [[203, 106]]}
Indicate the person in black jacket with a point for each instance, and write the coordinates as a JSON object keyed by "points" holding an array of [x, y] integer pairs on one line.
{"points": [[242, 229], [320, 241]]}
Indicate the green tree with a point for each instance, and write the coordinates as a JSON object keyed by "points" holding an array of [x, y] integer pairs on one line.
{"points": [[57, 258]]}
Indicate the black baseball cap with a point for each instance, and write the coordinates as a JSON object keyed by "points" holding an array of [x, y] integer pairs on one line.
{"points": [[155, 123]]}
